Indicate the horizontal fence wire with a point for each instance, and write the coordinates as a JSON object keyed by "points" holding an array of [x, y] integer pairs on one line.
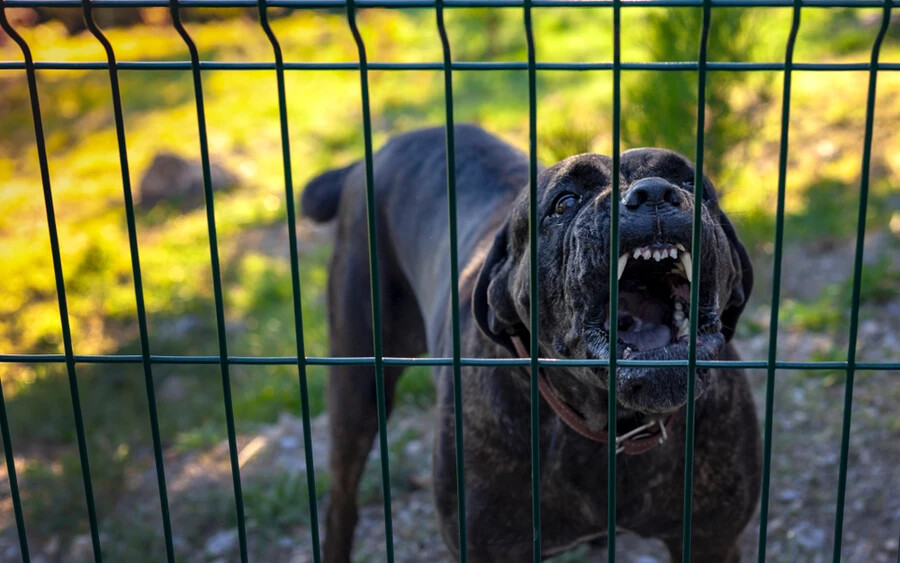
{"points": [[295, 279], [465, 361], [401, 4], [136, 274], [674, 66], [175, 11]]}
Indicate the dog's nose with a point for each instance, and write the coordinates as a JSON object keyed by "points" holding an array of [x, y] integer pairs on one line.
{"points": [[653, 191]]}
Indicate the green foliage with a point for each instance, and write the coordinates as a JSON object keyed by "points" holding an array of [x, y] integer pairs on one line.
{"points": [[275, 504]]}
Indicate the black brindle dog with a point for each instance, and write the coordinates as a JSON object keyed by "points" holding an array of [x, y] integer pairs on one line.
{"points": [[574, 262]]}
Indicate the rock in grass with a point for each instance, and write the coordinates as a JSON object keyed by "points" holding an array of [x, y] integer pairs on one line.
{"points": [[178, 182]]}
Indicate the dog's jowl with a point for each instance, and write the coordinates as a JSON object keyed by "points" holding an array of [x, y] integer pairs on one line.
{"points": [[654, 267]]}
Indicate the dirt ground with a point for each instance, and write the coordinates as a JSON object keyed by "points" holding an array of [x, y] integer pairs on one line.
{"points": [[807, 429]]}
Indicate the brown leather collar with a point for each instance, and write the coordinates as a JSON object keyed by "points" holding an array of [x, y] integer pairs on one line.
{"points": [[637, 441]]}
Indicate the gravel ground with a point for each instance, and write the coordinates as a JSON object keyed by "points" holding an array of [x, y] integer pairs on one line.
{"points": [[805, 457]]}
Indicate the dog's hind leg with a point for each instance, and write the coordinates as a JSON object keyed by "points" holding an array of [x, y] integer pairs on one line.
{"points": [[351, 395], [705, 551], [353, 424]]}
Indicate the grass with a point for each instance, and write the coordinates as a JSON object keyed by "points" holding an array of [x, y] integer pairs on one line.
{"points": [[324, 109]]}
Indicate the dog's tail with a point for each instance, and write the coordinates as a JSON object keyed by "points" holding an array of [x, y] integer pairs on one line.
{"points": [[322, 195]]}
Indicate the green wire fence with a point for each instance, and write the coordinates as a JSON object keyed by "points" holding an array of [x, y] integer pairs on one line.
{"points": [[378, 360]]}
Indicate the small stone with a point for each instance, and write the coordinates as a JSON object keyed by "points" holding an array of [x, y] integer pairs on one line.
{"points": [[81, 549], [179, 182], [788, 495], [289, 443], [808, 535], [221, 543]]}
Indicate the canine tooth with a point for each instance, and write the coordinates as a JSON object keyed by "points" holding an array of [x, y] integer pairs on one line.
{"points": [[680, 247], [637, 252], [679, 306], [686, 262], [673, 253], [623, 260], [656, 255], [646, 253]]}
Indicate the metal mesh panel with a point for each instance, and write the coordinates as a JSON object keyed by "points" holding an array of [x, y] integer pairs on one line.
{"points": [[705, 72]]}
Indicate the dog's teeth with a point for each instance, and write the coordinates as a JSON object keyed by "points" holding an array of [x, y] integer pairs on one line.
{"points": [[637, 253], [673, 253], [680, 247], [657, 255], [646, 253], [686, 262], [679, 306], [623, 260], [683, 328]]}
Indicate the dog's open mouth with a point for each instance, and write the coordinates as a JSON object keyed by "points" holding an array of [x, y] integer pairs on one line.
{"points": [[654, 297]]}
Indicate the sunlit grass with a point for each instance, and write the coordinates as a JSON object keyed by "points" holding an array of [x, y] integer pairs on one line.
{"points": [[574, 115]]}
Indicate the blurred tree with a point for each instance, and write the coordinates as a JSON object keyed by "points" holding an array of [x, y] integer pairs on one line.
{"points": [[660, 107]]}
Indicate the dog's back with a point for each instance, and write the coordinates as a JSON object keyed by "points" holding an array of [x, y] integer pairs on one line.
{"points": [[410, 185], [410, 188]]}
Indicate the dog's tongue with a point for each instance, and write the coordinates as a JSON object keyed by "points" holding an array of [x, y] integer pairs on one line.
{"points": [[650, 336]]}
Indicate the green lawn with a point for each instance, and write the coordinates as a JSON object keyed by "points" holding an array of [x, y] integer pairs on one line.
{"points": [[574, 111]]}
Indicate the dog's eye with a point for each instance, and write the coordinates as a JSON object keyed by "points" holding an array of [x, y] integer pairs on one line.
{"points": [[689, 185], [563, 203]]}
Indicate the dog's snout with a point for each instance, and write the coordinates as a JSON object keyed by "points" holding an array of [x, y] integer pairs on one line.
{"points": [[654, 191]]}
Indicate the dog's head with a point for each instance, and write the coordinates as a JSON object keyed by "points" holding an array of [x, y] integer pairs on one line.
{"points": [[654, 268]]}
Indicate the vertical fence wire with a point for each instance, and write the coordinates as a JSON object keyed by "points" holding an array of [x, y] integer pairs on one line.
{"points": [[4, 430], [216, 275], [60, 280], [857, 280], [776, 281], [375, 285], [695, 288], [295, 278], [533, 288], [613, 377], [454, 282], [136, 273], [13, 481]]}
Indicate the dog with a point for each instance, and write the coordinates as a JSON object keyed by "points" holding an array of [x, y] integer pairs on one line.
{"points": [[654, 268]]}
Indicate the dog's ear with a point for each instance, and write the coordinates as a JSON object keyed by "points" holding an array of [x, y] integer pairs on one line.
{"points": [[492, 302], [740, 292]]}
